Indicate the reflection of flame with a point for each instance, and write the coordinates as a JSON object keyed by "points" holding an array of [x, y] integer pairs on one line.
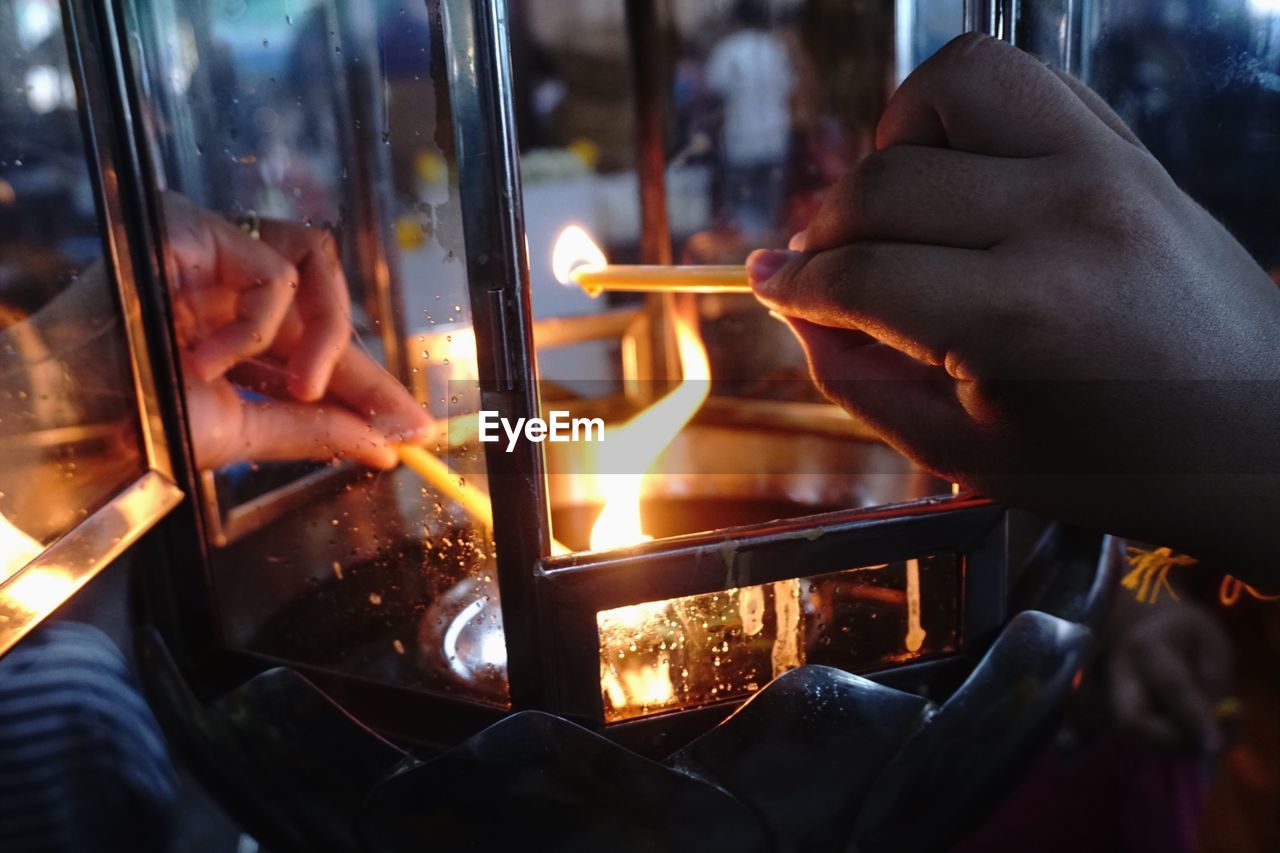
{"points": [[39, 589], [574, 248], [16, 548], [634, 446], [638, 442], [647, 687]]}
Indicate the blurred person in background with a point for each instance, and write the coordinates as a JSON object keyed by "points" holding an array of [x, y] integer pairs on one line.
{"points": [[751, 73]]}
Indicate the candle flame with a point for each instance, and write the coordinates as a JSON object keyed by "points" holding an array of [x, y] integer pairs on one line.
{"points": [[637, 443], [634, 446], [575, 249]]}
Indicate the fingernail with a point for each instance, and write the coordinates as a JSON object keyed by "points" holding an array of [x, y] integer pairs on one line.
{"points": [[410, 435], [304, 390], [398, 428], [796, 243], [763, 264]]}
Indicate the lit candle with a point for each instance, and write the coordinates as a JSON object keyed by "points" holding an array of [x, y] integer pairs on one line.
{"points": [[578, 260]]}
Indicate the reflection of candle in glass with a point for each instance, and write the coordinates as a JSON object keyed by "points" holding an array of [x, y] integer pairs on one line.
{"points": [[915, 633], [576, 259], [16, 548]]}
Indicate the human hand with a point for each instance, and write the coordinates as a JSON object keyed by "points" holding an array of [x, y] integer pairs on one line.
{"points": [[1166, 674], [1015, 294], [272, 315]]}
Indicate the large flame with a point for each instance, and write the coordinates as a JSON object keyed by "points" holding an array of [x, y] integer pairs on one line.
{"points": [[637, 443], [635, 446]]}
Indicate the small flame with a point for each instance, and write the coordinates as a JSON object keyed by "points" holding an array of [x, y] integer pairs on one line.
{"points": [[574, 249]]}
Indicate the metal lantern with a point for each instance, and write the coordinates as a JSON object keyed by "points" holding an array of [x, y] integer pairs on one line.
{"points": [[352, 659]]}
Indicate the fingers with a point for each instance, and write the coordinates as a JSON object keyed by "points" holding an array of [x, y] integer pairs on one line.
{"points": [[280, 430], [227, 428], [1100, 108], [890, 391], [366, 387], [981, 95], [323, 304], [262, 282], [915, 298], [918, 194]]}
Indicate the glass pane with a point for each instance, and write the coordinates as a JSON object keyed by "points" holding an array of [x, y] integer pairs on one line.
{"points": [[700, 649], [765, 111], [1199, 82], [323, 127], [69, 430]]}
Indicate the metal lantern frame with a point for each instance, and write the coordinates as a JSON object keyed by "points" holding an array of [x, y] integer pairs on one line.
{"points": [[549, 603]]}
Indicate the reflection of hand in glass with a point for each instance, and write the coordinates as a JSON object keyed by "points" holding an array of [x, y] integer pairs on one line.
{"points": [[272, 316]]}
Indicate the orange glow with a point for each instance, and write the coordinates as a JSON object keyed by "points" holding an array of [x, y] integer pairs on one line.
{"points": [[634, 446], [39, 589], [638, 442], [16, 548]]}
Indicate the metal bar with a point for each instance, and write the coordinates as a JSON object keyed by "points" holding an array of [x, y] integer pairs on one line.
{"points": [[40, 587], [370, 192], [30, 594], [997, 18], [765, 553], [498, 273], [178, 600], [646, 43], [1052, 30], [578, 586], [99, 129]]}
